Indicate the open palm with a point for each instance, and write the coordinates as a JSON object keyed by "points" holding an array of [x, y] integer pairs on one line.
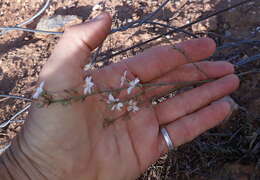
{"points": [[70, 142]]}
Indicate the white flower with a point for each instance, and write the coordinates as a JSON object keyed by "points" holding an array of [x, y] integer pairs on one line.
{"points": [[117, 105], [88, 67], [88, 85], [133, 106], [39, 91], [123, 79], [111, 99], [132, 85]]}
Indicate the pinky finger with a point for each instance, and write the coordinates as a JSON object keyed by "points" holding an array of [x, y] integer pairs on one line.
{"points": [[189, 127]]}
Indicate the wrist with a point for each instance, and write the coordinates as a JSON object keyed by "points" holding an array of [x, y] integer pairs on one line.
{"points": [[16, 165], [5, 173]]}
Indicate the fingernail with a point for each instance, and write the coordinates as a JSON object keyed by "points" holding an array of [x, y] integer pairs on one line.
{"points": [[234, 106]]}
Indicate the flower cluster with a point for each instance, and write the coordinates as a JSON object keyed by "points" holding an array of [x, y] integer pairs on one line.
{"points": [[117, 105]]}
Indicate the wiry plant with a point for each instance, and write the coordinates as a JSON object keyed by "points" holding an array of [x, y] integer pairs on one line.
{"points": [[131, 103]]}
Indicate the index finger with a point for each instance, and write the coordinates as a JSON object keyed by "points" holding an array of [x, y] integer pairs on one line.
{"points": [[157, 61]]}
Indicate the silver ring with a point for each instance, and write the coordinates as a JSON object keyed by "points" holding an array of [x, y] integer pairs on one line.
{"points": [[167, 138]]}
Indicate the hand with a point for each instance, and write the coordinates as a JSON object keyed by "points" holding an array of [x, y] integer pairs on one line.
{"points": [[70, 142]]}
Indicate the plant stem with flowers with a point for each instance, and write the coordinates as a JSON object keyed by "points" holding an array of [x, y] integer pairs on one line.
{"points": [[44, 98]]}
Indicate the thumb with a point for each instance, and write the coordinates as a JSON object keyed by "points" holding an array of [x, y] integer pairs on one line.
{"points": [[81, 39], [72, 52]]}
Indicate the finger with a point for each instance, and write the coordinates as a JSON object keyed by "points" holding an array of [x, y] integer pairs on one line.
{"points": [[78, 41], [195, 99], [190, 73], [157, 61], [189, 127], [64, 69]]}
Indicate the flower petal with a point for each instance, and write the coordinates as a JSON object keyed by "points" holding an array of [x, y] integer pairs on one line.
{"points": [[123, 79]]}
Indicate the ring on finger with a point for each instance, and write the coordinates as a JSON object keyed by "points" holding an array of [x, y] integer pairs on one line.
{"points": [[167, 139]]}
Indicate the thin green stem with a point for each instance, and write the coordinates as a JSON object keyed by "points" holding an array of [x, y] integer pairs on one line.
{"points": [[147, 85], [82, 97]]}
